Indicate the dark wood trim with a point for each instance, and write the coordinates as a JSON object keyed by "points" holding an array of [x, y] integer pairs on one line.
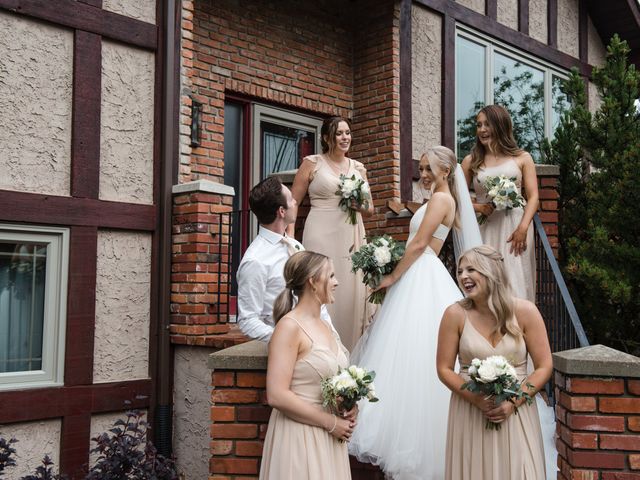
{"points": [[523, 16], [75, 443], [81, 306], [406, 154], [93, 3], [85, 136], [81, 16], [56, 402], [583, 32], [491, 9], [54, 210], [448, 82], [505, 34], [552, 23]]}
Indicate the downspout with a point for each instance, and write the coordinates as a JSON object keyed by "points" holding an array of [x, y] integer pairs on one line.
{"points": [[168, 176]]}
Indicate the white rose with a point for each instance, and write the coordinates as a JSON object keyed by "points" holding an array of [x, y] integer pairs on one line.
{"points": [[357, 372], [472, 370], [382, 256], [487, 372], [383, 242], [476, 362], [347, 188], [498, 361], [372, 391], [365, 189], [346, 383]]}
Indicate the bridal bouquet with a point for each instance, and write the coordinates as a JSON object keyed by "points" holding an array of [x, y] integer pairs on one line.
{"points": [[353, 189], [343, 390], [495, 377], [377, 258], [504, 194]]}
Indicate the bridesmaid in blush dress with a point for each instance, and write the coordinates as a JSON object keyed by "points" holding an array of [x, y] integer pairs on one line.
{"points": [[304, 441], [327, 230], [510, 232], [490, 321]]}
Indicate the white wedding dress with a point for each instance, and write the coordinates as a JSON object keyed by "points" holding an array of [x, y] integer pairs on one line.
{"points": [[405, 432]]}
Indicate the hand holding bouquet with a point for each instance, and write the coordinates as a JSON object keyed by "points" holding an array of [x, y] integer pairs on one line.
{"points": [[495, 377], [504, 194], [377, 258], [353, 190], [342, 391]]}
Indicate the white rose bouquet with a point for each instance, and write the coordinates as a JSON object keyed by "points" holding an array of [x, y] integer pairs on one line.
{"points": [[504, 194], [377, 258], [353, 189], [347, 387], [495, 377]]}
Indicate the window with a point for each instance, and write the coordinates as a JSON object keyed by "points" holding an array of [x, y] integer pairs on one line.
{"points": [[33, 294], [488, 72]]}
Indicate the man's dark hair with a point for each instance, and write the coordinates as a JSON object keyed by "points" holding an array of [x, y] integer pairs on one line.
{"points": [[265, 199]]}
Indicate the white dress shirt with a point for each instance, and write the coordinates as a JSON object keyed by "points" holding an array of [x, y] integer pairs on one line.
{"points": [[260, 281]]}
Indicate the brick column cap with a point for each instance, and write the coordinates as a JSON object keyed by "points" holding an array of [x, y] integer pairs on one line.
{"points": [[204, 186], [247, 356], [597, 360], [546, 170]]}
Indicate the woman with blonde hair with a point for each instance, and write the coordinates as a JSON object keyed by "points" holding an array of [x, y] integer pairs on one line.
{"points": [[304, 441], [491, 321], [404, 432]]}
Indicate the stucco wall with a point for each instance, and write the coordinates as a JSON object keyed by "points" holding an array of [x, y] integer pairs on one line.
{"points": [[126, 133], [122, 306], [191, 411], [427, 78], [594, 98], [597, 50], [35, 440], [477, 5], [508, 13], [144, 10], [538, 20], [35, 106], [568, 26]]}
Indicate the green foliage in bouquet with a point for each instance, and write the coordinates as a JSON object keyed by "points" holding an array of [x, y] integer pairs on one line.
{"points": [[376, 259], [599, 158], [352, 189], [342, 391]]}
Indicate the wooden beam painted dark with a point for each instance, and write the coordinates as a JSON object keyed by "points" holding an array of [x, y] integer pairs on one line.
{"points": [[81, 16], [491, 9], [85, 136], [523, 16], [552, 23], [55, 210], [583, 32], [56, 402], [505, 34], [448, 81], [81, 306], [406, 153], [75, 437]]}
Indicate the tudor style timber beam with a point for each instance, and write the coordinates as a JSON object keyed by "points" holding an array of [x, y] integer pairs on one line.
{"points": [[81, 16], [406, 134]]}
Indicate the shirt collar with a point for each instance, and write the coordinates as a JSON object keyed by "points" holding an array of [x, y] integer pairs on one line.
{"points": [[269, 235]]}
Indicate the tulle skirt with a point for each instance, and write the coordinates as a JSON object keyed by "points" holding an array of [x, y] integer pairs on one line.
{"points": [[405, 432]]}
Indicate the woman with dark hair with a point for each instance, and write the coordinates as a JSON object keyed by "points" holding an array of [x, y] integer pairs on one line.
{"points": [[489, 321], [510, 232], [305, 441], [327, 229]]}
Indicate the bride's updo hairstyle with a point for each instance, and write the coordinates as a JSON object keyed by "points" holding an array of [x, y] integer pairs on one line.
{"points": [[444, 158], [299, 269], [490, 264]]}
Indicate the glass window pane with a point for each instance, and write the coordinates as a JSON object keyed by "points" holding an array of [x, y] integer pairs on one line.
{"points": [[559, 102], [283, 148], [470, 89], [520, 89], [22, 292]]}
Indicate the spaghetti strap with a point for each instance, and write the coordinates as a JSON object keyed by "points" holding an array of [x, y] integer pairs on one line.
{"points": [[301, 327]]}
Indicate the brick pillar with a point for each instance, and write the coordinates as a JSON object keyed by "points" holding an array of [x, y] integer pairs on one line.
{"points": [[598, 414], [239, 412], [199, 265], [548, 210]]}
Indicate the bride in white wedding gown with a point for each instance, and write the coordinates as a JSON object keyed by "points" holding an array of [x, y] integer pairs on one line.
{"points": [[405, 432]]}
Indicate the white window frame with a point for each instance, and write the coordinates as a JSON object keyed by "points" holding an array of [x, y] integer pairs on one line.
{"points": [[493, 46], [278, 116], [55, 306]]}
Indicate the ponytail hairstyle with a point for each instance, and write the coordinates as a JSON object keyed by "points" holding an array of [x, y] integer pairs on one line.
{"points": [[504, 142], [300, 267], [444, 158], [489, 263]]}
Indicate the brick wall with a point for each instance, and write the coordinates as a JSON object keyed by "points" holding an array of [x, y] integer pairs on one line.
{"points": [[598, 414]]}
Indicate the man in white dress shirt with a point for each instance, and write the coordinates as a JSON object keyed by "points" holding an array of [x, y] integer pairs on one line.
{"points": [[260, 274]]}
